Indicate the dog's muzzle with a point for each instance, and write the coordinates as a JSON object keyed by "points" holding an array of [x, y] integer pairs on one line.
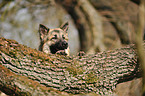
{"points": [[63, 45], [59, 45]]}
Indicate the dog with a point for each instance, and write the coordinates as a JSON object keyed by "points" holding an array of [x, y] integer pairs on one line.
{"points": [[55, 40]]}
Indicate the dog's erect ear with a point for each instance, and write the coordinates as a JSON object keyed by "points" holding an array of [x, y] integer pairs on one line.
{"points": [[43, 31], [64, 27]]}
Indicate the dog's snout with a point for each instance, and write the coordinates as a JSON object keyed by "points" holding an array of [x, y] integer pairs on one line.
{"points": [[65, 44]]}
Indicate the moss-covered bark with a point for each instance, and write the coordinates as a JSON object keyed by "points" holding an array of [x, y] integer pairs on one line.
{"points": [[81, 74]]}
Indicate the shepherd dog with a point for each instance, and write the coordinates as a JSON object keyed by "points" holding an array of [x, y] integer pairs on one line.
{"points": [[55, 40]]}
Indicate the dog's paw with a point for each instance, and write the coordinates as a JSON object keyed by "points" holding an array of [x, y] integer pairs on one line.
{"points": [[81, 53], [61, 52]]}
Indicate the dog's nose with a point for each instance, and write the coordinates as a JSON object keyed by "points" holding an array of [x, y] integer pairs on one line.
{"points": [[65, 44]]}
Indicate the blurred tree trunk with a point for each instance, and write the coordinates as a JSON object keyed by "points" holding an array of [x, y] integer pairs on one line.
{"points": [[139, 40], [121, 14], [88, 16], [89, 23]]}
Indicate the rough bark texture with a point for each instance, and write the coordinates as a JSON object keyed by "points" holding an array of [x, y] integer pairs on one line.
{"points": [[98, 73], [17, 85]]}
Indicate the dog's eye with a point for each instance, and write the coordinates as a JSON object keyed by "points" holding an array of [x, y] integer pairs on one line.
{"points": [[63, 37], [54, 37]]}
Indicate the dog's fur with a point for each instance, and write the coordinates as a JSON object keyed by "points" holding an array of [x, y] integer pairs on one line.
{"points": [[54, 40]]}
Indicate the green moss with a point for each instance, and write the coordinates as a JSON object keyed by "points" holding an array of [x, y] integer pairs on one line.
{"points": [[91, 78], [75, 69]]}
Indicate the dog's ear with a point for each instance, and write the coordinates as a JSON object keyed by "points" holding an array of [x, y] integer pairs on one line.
{"points": [[64, 27], [43, 31]]}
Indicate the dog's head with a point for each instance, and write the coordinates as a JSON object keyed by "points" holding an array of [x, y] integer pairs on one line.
{"points": [[55, 39]]}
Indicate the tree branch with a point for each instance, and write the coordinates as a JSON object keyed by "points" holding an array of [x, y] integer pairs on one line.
{"points": [[30, 68], [17, 85]]}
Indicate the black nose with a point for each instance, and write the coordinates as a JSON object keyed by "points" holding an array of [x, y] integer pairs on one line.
{"points": [[65, 44]]}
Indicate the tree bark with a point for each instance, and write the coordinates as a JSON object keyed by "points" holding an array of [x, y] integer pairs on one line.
{"points": [[17, 85], [26, 71]]}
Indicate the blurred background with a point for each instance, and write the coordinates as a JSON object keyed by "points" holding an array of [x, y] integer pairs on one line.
{"points": [[95, 25]]}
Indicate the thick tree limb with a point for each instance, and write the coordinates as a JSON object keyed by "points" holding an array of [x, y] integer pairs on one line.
{"points": [[81, 74], [18, 85]]}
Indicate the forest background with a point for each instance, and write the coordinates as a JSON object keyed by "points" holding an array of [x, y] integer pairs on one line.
{"points": [[95, 25]]}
